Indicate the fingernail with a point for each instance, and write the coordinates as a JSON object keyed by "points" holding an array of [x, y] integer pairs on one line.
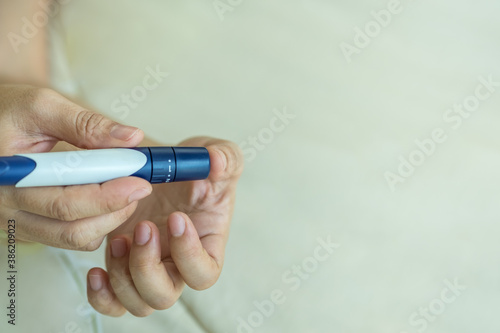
{"points": [[95, 282], [122, 132], [142, 234], [177, 225], [224, 159], [118, 247], [139, 194]]}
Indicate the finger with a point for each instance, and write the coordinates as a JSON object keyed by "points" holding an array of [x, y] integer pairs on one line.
{"points": [[117, 260], [70, 203], [84, 235], [101, 295], [226, 157], [227, 162], [199, 261], [56, 116], [157, 286]]}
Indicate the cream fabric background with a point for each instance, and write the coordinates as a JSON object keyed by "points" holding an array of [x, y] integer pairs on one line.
{"points": [[323, 175]]}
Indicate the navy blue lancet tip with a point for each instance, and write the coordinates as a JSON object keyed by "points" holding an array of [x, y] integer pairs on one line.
{"points": [[15, 168]]}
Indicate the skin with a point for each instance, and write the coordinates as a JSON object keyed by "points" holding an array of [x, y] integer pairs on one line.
{"points": [[160, 237], [169, 259], [29, 64], [33, 120]]}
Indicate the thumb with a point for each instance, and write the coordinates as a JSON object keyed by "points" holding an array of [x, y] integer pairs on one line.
{"points": [[60, 118]]}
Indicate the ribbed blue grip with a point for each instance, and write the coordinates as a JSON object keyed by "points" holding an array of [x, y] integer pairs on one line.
{"points": [[174, 164]]}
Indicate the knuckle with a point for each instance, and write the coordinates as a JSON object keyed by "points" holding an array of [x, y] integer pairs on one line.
{"points": [[191, 254], [74, 239], [142, 268], [87, 123], [121, 280], [109, 205], [62, 210]]}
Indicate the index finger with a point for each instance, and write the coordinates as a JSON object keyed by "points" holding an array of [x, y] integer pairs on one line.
{"points": [[70, 203]]}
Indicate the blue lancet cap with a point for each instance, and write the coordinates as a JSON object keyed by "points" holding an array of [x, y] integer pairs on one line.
{"points": [[193, 163]]}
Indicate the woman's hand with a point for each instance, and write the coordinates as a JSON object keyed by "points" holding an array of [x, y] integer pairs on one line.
{"points": [[34, 120], [176, 236]]}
